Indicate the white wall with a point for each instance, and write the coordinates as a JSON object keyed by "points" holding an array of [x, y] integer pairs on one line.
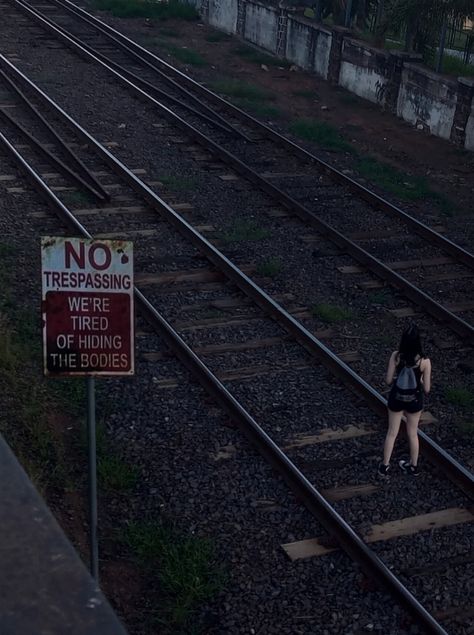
{"points": [[298, 43], [261, 26], [427, 98], [362, 71], [223, 15], [321, 53], [470, 131]]}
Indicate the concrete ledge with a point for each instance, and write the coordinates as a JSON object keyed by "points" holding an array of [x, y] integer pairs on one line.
{"points": [[44, 587]]}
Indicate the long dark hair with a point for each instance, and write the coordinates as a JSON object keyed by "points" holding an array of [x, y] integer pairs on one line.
{"points": [[410, 346]]}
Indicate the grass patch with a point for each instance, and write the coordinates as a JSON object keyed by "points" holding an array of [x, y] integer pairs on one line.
{"points": [[455, 66], [184, 565], [241, 90], [330, 313], [179, 183], [406, 188], [459, 396], [322, 133], [72, 392], [260, 110], [245, 230], [147, 9], [218, 36], [115, 474], [184, 55], [257, 57], [270, 267]]}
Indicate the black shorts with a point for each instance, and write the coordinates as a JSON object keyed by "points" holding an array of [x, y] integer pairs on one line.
{"points": [[395, 405]]}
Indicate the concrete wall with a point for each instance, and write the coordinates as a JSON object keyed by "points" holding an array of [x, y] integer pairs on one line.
{"points": [[223, 15], [261, 25], [308, 45], [470, 131], [364, 70], [427, 98], [443, 105]]}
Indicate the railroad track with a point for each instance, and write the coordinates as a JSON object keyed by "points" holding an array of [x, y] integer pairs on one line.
{"points": [[378, 236], [278, 378], [317, 262]]}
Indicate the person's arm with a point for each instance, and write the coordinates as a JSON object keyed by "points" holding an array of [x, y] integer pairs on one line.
{"points": [[426, 375], [392, 366]]}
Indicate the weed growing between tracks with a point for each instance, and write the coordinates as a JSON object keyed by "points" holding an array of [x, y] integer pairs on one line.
{"points": [[245, 230], [459, 396], [184, 568], [331, 314], [269, 267], [403, 186], [178, 183], [77, 198]]}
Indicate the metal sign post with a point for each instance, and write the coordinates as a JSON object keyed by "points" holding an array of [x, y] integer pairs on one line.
{"points": [[91, 433], [87, 306]]}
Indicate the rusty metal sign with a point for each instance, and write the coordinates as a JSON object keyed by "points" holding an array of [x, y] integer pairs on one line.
{"points": [[87, 306]]}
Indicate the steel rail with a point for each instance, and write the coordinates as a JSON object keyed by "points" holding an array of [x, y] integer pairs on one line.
{"points": [[454, 470], [212, 116], [59, 165], [412, 292], [85, 178], [316, 504], [375, 200]]}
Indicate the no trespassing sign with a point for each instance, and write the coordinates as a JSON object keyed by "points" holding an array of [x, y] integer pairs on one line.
{"points": [[87, 306]]}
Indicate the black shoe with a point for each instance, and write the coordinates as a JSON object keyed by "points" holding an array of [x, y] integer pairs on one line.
{"points": [[383, 469], [408, 468]]}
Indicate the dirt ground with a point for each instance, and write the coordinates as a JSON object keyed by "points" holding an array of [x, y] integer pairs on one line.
{"points": [[297, 94]]}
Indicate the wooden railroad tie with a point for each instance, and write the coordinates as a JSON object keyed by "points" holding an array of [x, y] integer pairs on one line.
{"points": [[386, 531], [347, 432]]}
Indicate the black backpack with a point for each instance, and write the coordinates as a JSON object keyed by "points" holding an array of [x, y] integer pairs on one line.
{"points": [[406, 386]]}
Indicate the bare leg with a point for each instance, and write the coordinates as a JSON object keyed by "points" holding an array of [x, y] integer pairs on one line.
{"points": [[394, 420], [412, 431]]}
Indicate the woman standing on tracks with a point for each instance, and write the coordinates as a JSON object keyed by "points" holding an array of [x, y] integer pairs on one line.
{"points": [[409, 375]]}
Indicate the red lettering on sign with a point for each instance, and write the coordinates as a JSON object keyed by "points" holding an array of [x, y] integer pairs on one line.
{"points": [[80, 257], [98, 262]]}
